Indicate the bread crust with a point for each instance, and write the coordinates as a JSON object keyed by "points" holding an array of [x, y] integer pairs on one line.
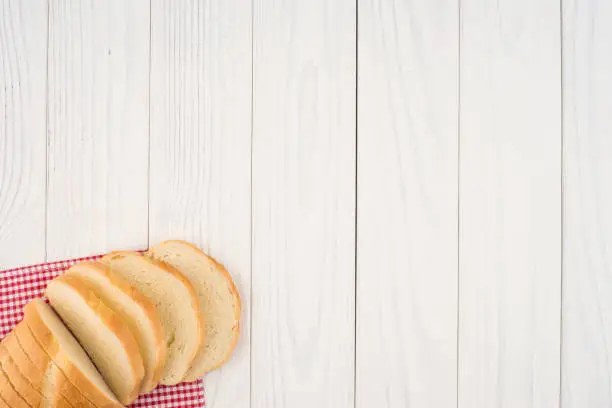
{"points": [[194, 375], [114, 323], [185, 282], [20, 384], [42, 335], [9, 394], [151, 380], [25, 370], [57, 400], [37, 360], [24, 365]]}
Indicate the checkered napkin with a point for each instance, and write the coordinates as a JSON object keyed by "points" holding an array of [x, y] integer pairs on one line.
{"points": [[19, 286]]}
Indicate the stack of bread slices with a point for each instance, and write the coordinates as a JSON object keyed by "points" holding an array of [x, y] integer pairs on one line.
{"points": [[119, 327]]}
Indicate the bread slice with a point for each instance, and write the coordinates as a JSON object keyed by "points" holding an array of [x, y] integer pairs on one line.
{"points": [[219, 302], [9, 393], [20, 384], [176, 301], [48, 331], [103, 334], [135, 309], [35, 360]]}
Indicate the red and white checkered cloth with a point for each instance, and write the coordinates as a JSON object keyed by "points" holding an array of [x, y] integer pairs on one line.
{"points": [[19, 286]]}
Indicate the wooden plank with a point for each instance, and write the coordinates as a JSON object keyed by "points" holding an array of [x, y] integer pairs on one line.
{"points": [[587, 296], [98, 126], [407, 204], [200, 150], [510, 204], [303, 203], [23, 73]]}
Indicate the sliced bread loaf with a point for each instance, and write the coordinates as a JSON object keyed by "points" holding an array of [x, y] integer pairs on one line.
{"points": [[176, 302], [20, 384], [44, 381], [35, 360], [24, 365], [103, 334], [48, 331], [9, 393], [135, 309], [219, 302]]}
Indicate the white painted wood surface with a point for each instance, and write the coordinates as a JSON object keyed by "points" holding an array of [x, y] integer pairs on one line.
{"points": [[98, 127], [510, 204], [587, 294], [303, 218], [407, 204], [23, 57], [390, 206], [200, 170]]}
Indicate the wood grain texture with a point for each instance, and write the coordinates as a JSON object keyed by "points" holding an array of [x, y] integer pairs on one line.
{"points": [[407, 204], [510, 204], [587, 296], [200, 150], [303, 204], [23, 73], [97, 126]]}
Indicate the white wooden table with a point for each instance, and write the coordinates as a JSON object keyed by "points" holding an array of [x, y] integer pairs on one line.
{"points": [[421, 218]]}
